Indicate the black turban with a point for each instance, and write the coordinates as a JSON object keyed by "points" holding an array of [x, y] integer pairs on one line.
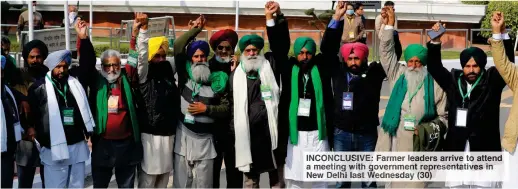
{"points": [[478, 55], [35, 44]]}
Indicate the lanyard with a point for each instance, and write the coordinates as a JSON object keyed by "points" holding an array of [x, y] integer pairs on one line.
{"points": [[350, 21], [468, 92], [195, 89], [248, 76], [64, 93], [349, 79], [305, 79], [411, 96]]}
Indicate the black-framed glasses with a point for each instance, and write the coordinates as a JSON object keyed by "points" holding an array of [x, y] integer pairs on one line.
{"points": [[228, 48], [116, 66]]}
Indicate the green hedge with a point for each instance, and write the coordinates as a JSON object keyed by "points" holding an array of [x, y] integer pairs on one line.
{"points": [[510, 10], [475, 2]]}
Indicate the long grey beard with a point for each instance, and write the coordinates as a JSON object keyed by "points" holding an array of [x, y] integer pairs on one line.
{"points": [[200, 72], [415, 77], [252, 63], [111, 77]]}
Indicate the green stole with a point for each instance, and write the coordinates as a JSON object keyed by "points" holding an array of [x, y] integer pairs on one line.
{"points": [[392, 115], [218, 80], [102, 105], [294, 104]]}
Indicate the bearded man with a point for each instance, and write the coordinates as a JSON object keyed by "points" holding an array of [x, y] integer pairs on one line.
{"points": [[415, 97], [160, 98], [62, 116], [203, 101], [116, 141]]}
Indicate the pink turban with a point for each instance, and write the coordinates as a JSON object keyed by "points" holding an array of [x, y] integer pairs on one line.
{"points": [[359, 49]]}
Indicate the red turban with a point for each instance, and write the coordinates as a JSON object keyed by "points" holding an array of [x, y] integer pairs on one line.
{"points": [[223, 35], [359, 49]]}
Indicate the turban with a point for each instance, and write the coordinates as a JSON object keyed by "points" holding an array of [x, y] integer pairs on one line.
{"points": [[359, 49], [35, 44], [155, 44], [415, 50], [252, 39], [478, 55], [195, 45], [3, 62], [304, 42], [57, 57], [223, 35]]}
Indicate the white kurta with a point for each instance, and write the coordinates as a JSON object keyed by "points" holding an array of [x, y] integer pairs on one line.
{"points": [[308, 142], [158, 154], [79, 152]]}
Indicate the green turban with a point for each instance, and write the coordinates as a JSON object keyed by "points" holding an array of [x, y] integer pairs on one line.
{"points": [[416, 50], [252, 39], [304, 42]]}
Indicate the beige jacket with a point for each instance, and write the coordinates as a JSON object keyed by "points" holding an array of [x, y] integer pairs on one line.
{"points": [[403, 141], [509, 73], [353, 29]]}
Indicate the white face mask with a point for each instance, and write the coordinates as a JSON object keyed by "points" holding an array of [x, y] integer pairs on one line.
{"points": [[33, 8], [72, 16]]}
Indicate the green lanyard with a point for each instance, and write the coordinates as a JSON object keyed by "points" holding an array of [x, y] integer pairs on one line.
{"points": [[195, 89], [468, 92], [248, 76], [305, 79], [63, 94], [411, 96]]}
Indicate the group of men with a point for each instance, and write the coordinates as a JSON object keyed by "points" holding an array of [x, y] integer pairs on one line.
{"points": [[186, 114]]}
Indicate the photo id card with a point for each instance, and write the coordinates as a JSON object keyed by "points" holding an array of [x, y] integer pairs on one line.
{"points": [[304, 107], [347, 101]]}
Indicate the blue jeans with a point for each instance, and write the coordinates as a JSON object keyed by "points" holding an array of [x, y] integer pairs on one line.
{"points": [[349, 142]]}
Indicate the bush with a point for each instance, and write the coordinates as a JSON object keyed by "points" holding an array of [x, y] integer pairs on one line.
{"points": [[510, 10], [475, 2]]}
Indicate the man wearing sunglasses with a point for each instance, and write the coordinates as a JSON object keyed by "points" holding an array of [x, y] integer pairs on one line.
{"points": [[116, 140]]}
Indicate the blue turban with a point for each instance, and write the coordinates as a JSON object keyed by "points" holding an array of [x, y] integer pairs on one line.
{"points": [[56, 57], [3, 62], [194, 46]]}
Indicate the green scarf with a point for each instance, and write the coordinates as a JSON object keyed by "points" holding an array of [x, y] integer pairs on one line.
{"points": [[294, 104], [392, 115], [218, 80], [102, 106]]}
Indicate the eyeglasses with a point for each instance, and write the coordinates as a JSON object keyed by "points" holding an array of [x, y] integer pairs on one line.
{"points": [[116, 66], [228, 48]]}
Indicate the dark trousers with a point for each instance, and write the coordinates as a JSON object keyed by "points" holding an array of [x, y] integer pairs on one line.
{"points": [[26, 176], [350, 142], [7, 170], [226, 151], [124, 175]]}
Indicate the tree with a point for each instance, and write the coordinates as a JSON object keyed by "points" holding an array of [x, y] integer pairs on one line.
{"points": [[510, 10], [475, 2], [321, 19]]}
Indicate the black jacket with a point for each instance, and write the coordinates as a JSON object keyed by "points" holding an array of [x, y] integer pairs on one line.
{"points": [[483, 105]]}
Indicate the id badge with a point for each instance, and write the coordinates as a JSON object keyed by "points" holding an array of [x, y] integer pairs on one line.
{"points": [[68, 116], [351, 34], [18, 131], [133, 58], [409, 122], [113, 104], [347, 101], [462, 117], [188, 118], [304, 107], [266, 92]]}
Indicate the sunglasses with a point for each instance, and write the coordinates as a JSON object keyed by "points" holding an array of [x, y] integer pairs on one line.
{"points": [[228, 48], [110, 65]]}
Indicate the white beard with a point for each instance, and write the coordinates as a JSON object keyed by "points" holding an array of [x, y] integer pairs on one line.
{"points": [[225, 59], [414, 77], [252, 63], [200, 72], [111, 77]]}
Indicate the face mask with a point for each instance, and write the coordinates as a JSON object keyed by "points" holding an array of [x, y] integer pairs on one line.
{"points": [[37, 70], [33, 8], [160, 70], [349, 12], [72, 16]]}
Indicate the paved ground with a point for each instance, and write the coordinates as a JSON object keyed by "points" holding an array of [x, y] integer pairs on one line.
{"points": [[504, 113]]}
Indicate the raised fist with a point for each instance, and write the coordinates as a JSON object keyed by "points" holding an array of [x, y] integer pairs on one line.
{"points": [[81, 29], [141, 21], [436, 27], [498, 22], [340, 10]]}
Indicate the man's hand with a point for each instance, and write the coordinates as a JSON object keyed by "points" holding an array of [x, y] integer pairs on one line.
{"points": [[497, 22], [391, 16], [436, 27], [81, 29], [234, 62], [270, 8], [30, 134], [196, 108], [339, 10], [141, 21]]}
